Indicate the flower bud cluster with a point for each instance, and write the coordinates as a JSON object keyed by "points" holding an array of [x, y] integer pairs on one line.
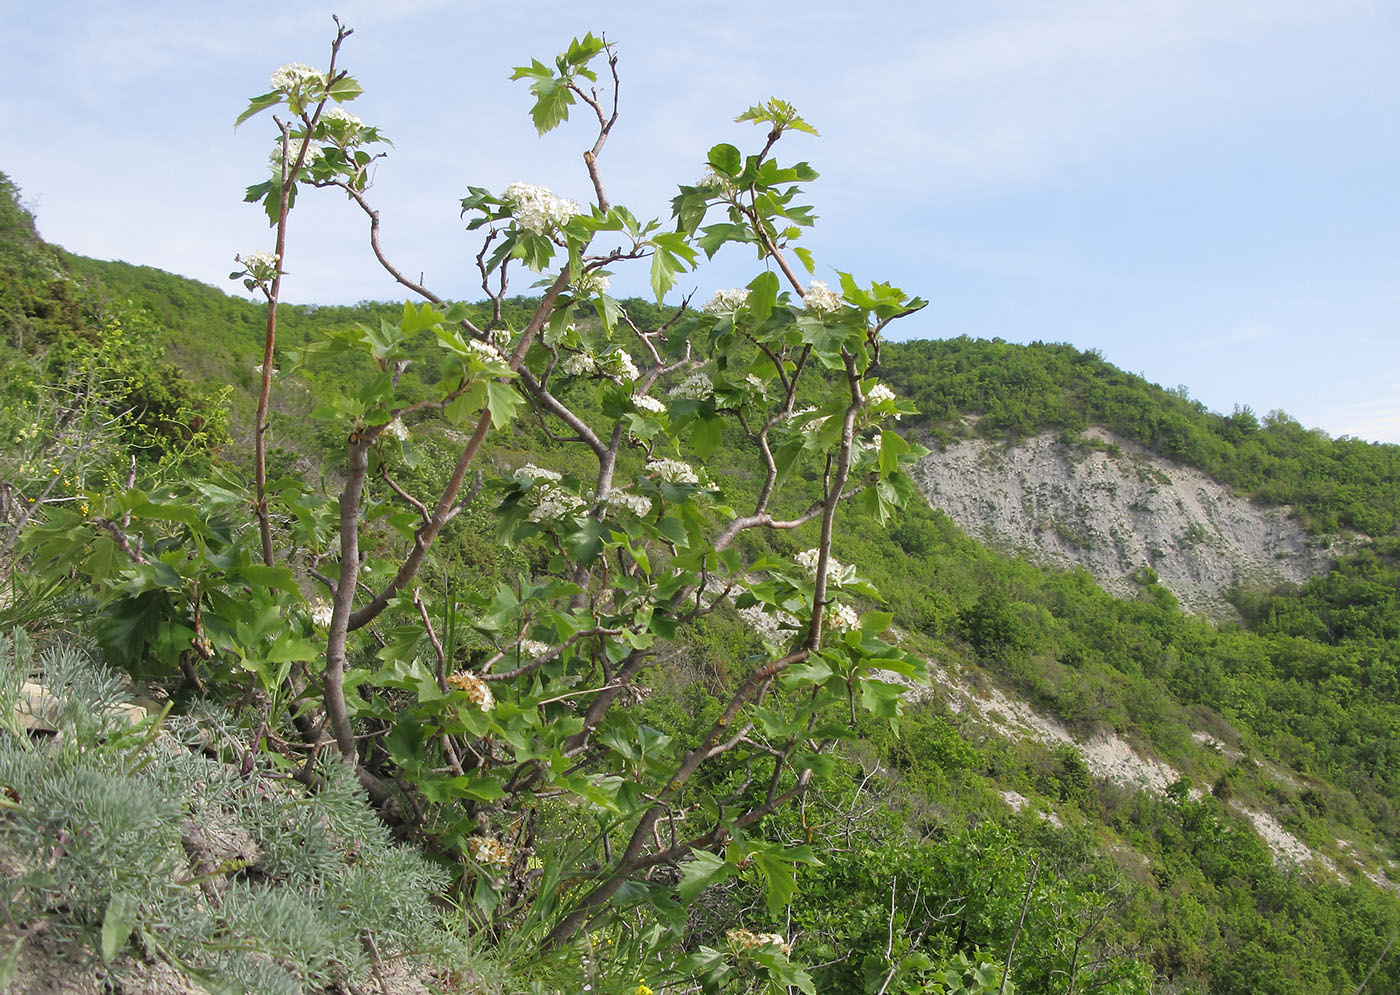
{"points": [[260, 264], [726, 301], [618, 365], [343, 116], [295, 74], [645, 402], [696, 387], [672, 471], [485, 350], [836, 571], [637, 504], [744, 940], [477, 691], [286, 156], [538, 208], [841, 618], [578, 364], [880, 392], [531, 472], [592, 284], [533, 648], [485, 850], [553, 503]]}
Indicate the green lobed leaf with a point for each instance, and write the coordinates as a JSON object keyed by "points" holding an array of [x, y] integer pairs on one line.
{"points": [[259, 104]]}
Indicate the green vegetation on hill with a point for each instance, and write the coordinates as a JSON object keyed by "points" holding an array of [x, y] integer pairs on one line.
{"points": [[923, 870], [1014, 391]]}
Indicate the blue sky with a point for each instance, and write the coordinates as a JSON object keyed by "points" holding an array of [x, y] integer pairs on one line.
{"points": [[1205, 191]]}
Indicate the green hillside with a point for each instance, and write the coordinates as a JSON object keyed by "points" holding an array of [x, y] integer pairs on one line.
{"points": [[902, 869]]}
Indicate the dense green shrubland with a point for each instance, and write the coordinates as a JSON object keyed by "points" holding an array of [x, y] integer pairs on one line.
{"points": [[909, 872]]}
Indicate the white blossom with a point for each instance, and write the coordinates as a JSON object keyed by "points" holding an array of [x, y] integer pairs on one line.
{"points": [[880, 392], [477, 691], [397, 429], [531, 472], [697, 387], [533, 648], [485, 350], [820, 297], [275, 160], [578, 364], [538, 208], [841, 618], [553, 504], [321, 612], [836, 571], [617, 365], [259, 261], [645, 402], [342, 115], [726, 301], [637, 504], [500, 338], [673, 471], [294, 74], [756, 384]]}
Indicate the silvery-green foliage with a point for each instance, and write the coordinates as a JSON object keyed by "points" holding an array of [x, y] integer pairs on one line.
{"points": [[231, 872]]}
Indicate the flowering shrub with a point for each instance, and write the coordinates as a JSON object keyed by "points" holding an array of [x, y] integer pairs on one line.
{"points": [[471, 716]]}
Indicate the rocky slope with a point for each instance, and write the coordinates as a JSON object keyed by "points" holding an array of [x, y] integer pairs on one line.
{"points": [[1114, 508]]}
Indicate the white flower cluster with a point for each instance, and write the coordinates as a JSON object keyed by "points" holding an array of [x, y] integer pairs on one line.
{"points": [[294, 74], [578, 364], [259, 260], [672, 471], [617, 365], [797, 415], [485, 350], [756, 384], [537, 208], [820, 297], [500, 338], [637, 504], [712, 179], [726, 301], [321, 613], [531, 472], [696, 387], [645, 402], [745, 940], [533, 648], [477, 691], [553, 503], [808, 559], [485, 850], [397, 429], [880, 392], [592, 284], [292, 150], [836, 571], [841, 618], [343, 116]]}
